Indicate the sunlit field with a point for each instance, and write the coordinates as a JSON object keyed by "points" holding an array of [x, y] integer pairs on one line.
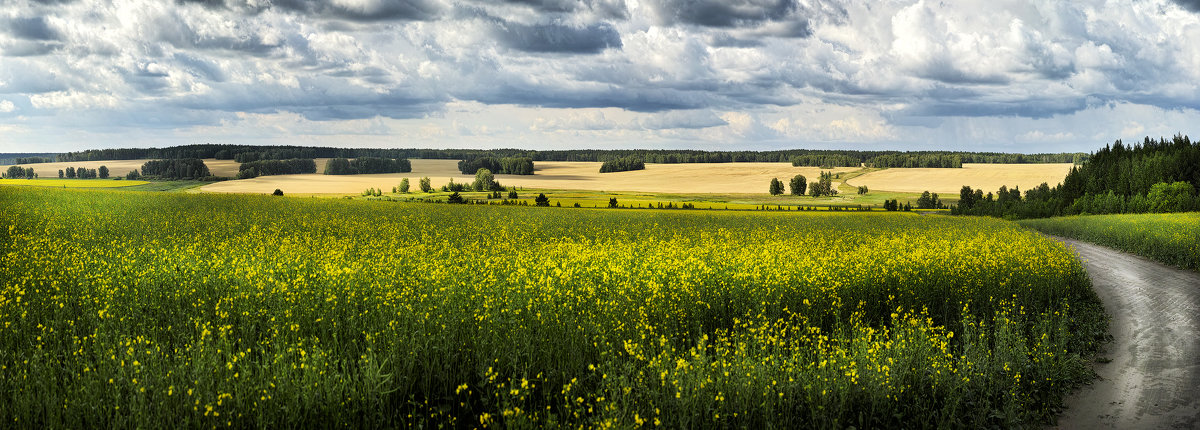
{"points": [[1172, 238], [71, 183], [129, 309]]}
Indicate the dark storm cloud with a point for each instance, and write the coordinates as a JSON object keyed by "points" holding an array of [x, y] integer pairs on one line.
{"points": [[558, 38], [1192, 5], [32, 29], [613, 9], [385, 10], [320, 98], [632, 99], [723, 13], [1030, 108]]}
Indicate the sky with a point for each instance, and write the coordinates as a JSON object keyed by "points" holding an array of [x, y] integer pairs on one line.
{"points": [[987, 75]]}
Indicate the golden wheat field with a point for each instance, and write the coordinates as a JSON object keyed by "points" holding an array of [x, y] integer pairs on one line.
{"points": [[228, 168], [989, 177], [558, 175]]}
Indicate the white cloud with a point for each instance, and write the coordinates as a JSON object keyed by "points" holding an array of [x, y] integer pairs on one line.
{"points": [[971, 74]]}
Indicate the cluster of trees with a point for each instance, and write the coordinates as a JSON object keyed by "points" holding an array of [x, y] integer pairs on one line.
{"points": [[402, 188], [622, 164], [258, 168], [83, 173], [502, 165], [776, 187], [894, 205], [798, 185], [807, 157], [863, 190], [372, 192], [930, 201], [486, 181], [25, 158], [454, 187], [826, 161], [179, 168], [364, 165], [910, 159], [823, 186], [1151, 176], [1044, 201], [17, 172]]}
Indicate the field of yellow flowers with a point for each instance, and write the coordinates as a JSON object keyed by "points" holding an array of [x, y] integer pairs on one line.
{"points": [[178, 310], [1172, 238]]}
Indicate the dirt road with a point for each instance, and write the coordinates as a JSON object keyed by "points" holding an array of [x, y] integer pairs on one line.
{"points": [[1153, 380]]}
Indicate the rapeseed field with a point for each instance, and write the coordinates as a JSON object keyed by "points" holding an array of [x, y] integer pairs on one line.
{"points": [[212, 311]]}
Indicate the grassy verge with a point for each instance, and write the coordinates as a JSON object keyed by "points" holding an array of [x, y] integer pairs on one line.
{"points": [[1170, 238], [182, 185], [599, 199]]}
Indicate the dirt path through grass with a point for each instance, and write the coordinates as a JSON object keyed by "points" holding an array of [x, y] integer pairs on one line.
{"points": [[1153, 378]]}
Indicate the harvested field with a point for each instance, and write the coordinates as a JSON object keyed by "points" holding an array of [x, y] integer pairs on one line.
{"points": [[988, 177], [559, 175], [121, 167]]}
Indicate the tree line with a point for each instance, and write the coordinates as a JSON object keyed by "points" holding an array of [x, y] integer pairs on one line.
{"points": [[622, 164], [499, 165], [25, 158], [180, 168], [364, 165], [798, 185], [276, 167], [83, 173], [18, 172], [806, 157], [1151, 176]]}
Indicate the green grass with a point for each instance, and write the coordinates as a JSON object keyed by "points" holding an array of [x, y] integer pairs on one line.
{"points": [[1170, 238], [174, 310], [178, 185], [72, 183]]}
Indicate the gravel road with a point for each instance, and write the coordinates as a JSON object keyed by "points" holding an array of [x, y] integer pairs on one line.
{"points": [[1153, 380]]}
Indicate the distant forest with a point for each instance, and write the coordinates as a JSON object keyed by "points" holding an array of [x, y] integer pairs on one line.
{"points": [[1151, 176], [798, 157], [25, 157]]}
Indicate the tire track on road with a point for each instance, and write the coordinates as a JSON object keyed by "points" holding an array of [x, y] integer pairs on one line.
{"points": [[1153, 378]]}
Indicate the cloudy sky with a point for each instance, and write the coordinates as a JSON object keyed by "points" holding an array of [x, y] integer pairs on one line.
{"points": [[987, 75]]}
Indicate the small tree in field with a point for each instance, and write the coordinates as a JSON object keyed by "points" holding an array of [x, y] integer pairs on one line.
{"points": [[776, 187], [612, 202], [403, 186], [542, 200], [798, 185], [103, 173], [60, 174], [278, 192], [426, 185], [485, 181]]}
